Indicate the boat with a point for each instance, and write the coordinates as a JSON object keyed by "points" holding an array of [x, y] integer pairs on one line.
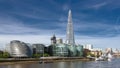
{"points": [[110, 57], [41, 62], [104, 57], [100, 58]]}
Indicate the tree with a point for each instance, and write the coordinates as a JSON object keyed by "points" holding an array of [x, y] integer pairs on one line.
{"points": [[4, 55], [86, 52], [36, 55], [46, 55]]}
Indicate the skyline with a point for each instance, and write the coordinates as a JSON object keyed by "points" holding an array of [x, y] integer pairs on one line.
{"points": [[95, 22]]}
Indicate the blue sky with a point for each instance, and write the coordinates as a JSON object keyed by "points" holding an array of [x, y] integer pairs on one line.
{"points": [[95, 22]]}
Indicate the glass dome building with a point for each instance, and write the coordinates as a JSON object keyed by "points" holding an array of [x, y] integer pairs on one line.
{"points": [[19, 49]]}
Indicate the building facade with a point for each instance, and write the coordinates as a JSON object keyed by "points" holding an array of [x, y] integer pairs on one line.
{"points": [[19, 49], [79, 50], [53, 39], [70, 32], [59, 41], [88, 46], [38, 48]]}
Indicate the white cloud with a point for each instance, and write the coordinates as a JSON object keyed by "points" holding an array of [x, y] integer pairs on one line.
{"points": [[112, 42], [45, 39], [99, 42], [10, 25], [99, 5], [26, 38], [82, 25]]}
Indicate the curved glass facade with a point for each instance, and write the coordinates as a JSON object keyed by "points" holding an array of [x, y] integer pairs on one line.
{"points": [[52, 50], [38, 48], [65, 50], [58, 50], [61, 50], [79, 50], [19, 49], [72, 51]]}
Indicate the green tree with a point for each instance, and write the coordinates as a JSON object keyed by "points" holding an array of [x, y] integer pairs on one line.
{"points": [[4, 55], [36, 55], [46, 55]]}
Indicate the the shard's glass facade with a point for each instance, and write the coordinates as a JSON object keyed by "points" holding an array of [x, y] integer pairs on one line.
{"points": [[70, 33]]}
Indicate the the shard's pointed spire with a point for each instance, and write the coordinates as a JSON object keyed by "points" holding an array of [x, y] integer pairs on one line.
{"points": [[69, 17], [70, 33]]}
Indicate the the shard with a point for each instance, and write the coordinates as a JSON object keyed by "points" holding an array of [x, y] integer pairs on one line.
{"points": [[70, 33]]}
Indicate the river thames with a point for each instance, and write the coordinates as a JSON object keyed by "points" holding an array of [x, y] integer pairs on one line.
{"points": [[115, 63]]}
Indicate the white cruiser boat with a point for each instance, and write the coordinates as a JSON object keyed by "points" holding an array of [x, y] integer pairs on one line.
{"points": [[107, 57], [100, 59]]}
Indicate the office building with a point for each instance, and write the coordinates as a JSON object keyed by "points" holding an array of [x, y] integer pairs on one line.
{"points": [[38, 48], [53, 39], [59, 41], [70, 32], [19, 49]]}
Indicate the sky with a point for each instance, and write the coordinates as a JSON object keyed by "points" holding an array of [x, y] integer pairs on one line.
{"points": [[96, 22]]}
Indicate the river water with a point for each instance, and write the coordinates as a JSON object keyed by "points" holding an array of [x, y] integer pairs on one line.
{"points": [[115, 63]]}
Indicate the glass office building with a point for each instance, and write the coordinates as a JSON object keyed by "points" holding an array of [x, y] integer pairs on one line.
{"points": [[65, 50], [38, 48], [61, 50], [79, 50], [72, 51], [19, 49]]}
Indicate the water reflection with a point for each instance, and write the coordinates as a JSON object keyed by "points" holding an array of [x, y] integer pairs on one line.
{"points": [[61, 65], [75, 64], [68, 65], [19, 66]]}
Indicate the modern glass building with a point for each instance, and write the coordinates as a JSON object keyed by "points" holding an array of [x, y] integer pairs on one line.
{"points": [[72, 51], [65, 50], [70, 32], [51, 49], [38, 48], [19, 49], [61, 50], [79, 50]]}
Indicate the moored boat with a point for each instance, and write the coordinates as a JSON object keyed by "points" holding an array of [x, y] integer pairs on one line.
{"points": [[104, 57]]}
